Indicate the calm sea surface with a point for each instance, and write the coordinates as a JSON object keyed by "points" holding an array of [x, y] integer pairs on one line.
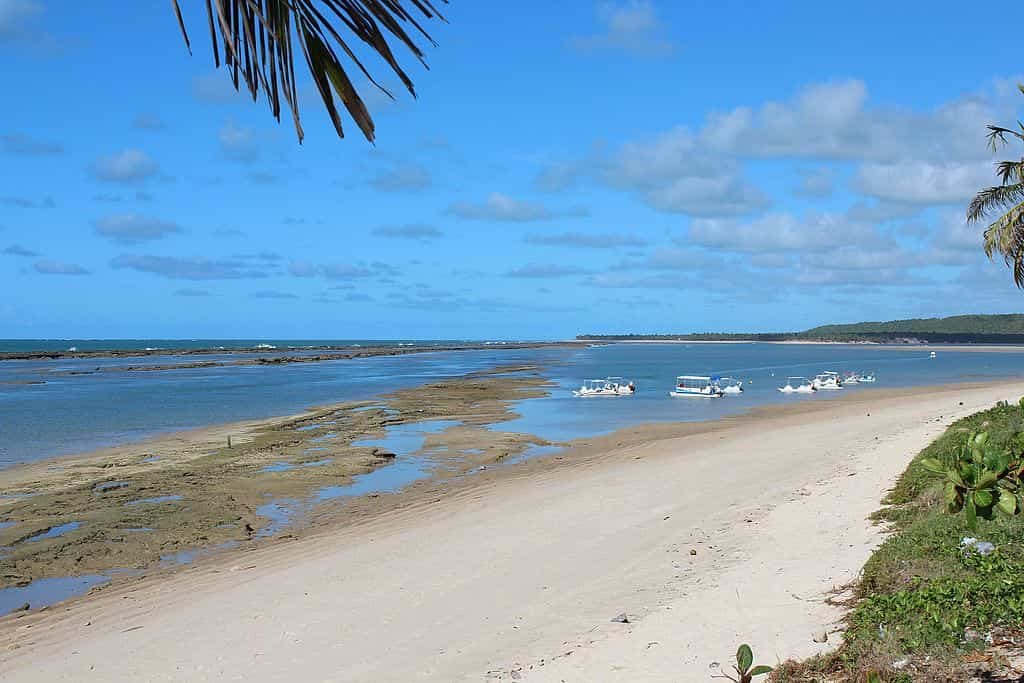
{"points": [[73, 413]]}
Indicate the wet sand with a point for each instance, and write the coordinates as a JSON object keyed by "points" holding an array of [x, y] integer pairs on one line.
{"points": [[129, 506], [516, 571]]}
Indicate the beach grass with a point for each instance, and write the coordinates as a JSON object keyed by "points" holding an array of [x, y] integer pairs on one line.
{"points": [[925, 608]]}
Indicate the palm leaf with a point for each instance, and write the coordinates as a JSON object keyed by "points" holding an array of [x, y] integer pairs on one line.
{"points": [[1005, 235], [258, 40]]}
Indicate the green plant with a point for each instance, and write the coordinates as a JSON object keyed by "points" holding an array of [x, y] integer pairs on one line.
{"points": [[1005, 201], [744, 667], [981, 478]]}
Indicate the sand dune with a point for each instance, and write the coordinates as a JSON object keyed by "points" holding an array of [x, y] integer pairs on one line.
{"points": [[518, 576]]}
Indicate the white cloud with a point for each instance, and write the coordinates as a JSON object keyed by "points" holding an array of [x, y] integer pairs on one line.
{"points": [[631, 27], [922, 182], [15, 16], [130, 228], [544, 270], [833, 121], [881, 212], [238, 143], [127, 166], [48, 267], [905, 158], [673, 173], [413, 231], [403, 178], [587, 240], [780, 232], [501, 207]]}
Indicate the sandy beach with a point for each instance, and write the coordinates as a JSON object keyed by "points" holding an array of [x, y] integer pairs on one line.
{"points": [[704, 537]]}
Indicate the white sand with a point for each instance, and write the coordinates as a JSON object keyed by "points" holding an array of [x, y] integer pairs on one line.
{"points": [[524, 573]]}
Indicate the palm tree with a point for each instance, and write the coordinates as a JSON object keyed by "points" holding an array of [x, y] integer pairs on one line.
{"points": [[259, 39], [1006, 234]]}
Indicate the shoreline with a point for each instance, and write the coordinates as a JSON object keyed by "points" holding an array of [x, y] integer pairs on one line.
{"points": [[428, 503], [882, 346], [263, 356], [130, 507]]}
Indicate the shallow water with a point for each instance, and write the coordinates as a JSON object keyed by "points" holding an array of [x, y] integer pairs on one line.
{"points": [[101, 409], [54, 532], [287, 466], [762, 367], [42, 592], [116, 407], [76, 413], [404, 440], [155, 500]]}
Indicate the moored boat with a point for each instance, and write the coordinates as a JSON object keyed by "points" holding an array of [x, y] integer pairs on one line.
{"points": [[730, 386], [609, 386], [798, 385], [827, 381], [696, 386]]}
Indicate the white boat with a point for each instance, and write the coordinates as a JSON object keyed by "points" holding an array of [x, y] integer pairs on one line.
{"points": [[868, 378], [798, 385], [932, 355], [827, 381], [696, 386], [609, 386], [852, 378], [730, 386]]}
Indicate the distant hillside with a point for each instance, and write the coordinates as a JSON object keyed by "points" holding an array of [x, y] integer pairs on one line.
{"points": [[957, 324], [958, 329]]}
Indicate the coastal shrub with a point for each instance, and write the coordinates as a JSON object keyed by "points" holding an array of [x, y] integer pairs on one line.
{"points": [[981, 478]]}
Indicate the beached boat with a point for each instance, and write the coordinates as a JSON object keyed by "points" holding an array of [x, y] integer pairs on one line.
{"points": [[851, 378], [827, 381], [609, 386], [798, 385], [696, 386], [730, 386], [867, 378]]}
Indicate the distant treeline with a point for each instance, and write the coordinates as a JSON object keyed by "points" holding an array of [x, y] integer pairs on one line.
{"points": [[960, 329]]}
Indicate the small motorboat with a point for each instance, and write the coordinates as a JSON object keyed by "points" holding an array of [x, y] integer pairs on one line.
{"points": [[867, 378], [696, 386], [730, 386], [798, 385], [609, 386], [932, 355], [827, 381], [851, 378]]}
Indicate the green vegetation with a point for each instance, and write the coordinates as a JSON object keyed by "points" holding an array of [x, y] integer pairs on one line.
{"points": [[980, 478], [1007, 329], [1012, 324], [744, 666], [1005, 235], [929, 596]]}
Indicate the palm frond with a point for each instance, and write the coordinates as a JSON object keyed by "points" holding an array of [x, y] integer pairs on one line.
{"points": [[997, 135], [1010, 171], [259, 39], [992, 199], [1006, 237]]}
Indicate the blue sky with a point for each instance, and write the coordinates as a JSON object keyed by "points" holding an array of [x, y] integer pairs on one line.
{"points": [[625, 166]]}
